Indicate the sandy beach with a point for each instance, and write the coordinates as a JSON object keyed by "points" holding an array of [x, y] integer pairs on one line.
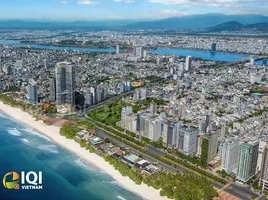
{"points": [[53, 133]]}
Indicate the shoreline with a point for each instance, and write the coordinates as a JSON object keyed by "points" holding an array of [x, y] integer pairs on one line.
{"points": [[52, 132]]}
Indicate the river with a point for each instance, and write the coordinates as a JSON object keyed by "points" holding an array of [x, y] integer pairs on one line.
{"points": [[206, 55]]}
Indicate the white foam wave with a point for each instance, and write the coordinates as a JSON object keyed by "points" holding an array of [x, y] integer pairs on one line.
{"points": [[35, 133], [49, 148], [25, 140], [121, 198], [14, 131], [3, 116], [79, 162]]}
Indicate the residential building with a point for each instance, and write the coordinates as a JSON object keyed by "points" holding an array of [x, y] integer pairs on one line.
{"points": [[65, 87], [247, 160], [230, 153], [32, 91]]}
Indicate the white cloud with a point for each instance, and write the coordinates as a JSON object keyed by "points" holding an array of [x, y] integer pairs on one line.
{"points": [[124, 1], [87, 2], [64, 2], [173, 13], [215, 3]]}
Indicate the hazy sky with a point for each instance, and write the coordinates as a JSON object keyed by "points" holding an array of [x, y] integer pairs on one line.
{"points": [[124, 9]]}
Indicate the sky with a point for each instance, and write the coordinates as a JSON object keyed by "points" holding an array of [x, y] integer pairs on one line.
{"points": [[69, 10]]}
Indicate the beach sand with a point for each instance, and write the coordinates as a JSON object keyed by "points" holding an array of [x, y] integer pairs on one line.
{"points": [[52, 132]]}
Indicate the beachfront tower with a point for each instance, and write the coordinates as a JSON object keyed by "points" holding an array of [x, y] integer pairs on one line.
{"points": [[65, 87]]}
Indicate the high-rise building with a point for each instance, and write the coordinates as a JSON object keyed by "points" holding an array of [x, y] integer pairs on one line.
{"points": [[93, 90], [190, 140], [171, 135], [138, 127], [65, 86], [52, 89], [32, 91], [153, 107], [212, 145], [224, 131], [155, 129], [138, 51], [188, 63], [247, 160], [230, 152], [89, 99], [143, 93], [144, 54], [264, 170], [117, 49], [213, 46], [252, 61], [124, 113]]}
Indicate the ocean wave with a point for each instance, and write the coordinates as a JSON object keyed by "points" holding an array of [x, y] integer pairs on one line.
{"points": [[3, 116], [50, 148], [121, 198], [80, 162], [14, 131], [29, 130], [25, 140]]}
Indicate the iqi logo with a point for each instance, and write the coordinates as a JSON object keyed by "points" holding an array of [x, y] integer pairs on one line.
{"points": [[28, 181]]}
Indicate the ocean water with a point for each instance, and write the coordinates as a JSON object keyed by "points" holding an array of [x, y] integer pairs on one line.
{"points": [[65, 175]]}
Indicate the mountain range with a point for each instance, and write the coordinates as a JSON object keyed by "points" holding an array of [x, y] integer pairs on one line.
{"points": [[236, 26], [202, 21]]}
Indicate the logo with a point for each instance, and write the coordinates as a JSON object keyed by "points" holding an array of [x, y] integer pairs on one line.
{"points": [[28, 181], [13, 180]]}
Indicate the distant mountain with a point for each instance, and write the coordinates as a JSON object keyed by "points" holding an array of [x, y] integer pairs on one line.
{"points": [[174, 23], [227, 26], [197, 21], [236, 26], [23, 24]]}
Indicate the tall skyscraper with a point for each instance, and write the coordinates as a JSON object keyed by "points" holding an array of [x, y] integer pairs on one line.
{"points": [[143, 93], [212, 145], [65, 86], [52, 88], [117, 49], [190, 140], [213, 47], [124, 113], [230, 155], [93, 90], [188, 63], [171, 135], [153, 107], [89, 99], [138, 51], [247, 160], [264, 170], [155, 129], [32, 91]]}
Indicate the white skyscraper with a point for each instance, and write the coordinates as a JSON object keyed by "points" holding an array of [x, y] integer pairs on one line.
{"points": [[230, 153], [264, 170], [117, 49], [188, 63], [155, 129], [138, 51], [190, 141], [124, 113]]}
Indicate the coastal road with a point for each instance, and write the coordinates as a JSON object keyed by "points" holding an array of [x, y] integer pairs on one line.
{"points": [[165, 166], [235, 189]]}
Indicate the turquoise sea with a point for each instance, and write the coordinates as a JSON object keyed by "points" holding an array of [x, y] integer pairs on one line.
{"points": [[65, 175]]}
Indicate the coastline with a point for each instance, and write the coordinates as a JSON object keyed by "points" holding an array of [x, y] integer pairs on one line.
{"points": [[52, 132]]}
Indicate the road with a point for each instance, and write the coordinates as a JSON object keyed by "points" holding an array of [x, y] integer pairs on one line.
{"points": [[235, 189]]}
